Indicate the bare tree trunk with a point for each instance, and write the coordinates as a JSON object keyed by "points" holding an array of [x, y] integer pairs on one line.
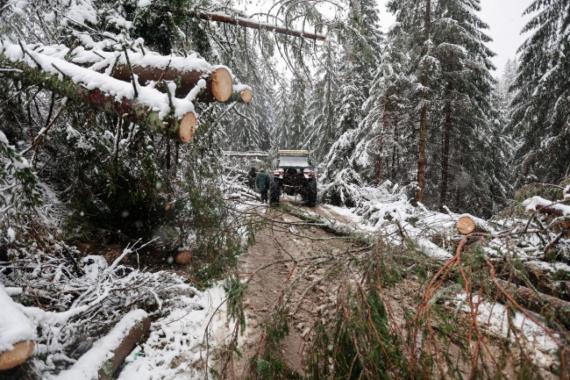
{"points": [[445, 156], [249, 23], [129, 109], [395, 149], [423, 117], [385, 126], [422, 153]]}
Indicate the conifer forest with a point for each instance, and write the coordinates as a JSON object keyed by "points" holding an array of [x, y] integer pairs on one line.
{"points": [[284, 189]]}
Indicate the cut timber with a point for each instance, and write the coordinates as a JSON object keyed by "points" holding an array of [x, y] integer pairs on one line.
{"points": [[219, 83], [246, 95], [187, 127], [108, 353], [183, 257], [17, 355], [249, 23], [538, 302], [466, 225], [17, 333], [131, 109]]}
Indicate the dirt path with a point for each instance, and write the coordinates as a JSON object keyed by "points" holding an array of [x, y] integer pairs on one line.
{"points": [[286, 267]]}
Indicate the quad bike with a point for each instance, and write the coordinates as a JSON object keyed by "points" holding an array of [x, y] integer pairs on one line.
{"points": [[294, 175]]}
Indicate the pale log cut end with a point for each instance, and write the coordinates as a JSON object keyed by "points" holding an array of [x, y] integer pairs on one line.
{"points": [[183, 257], [246, 96], [16, 356], [187, 127], [221, 84], [466, 225]]}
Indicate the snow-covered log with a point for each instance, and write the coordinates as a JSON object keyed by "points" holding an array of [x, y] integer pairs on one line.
{"points": [[467, 224], [242, 94], [249, 23], [17, 333], [218, 82], [538, 302], [148, 68], [108, 353], [143, 105]]}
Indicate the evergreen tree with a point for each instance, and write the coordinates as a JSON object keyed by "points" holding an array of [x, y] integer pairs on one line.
{"points": [[361, 41], [540, 117], [322, 108]]}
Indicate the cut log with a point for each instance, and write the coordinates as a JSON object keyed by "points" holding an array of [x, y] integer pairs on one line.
{"points": [[219, 82], [249, 23], [183, 257], [17, 355], [17, 333], [538, 302], [108, 353], [246, 95], [466, 225], [242, 94], [187, 127], [77, 88]]}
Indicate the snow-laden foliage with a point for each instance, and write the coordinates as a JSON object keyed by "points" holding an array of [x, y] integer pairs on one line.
{"points": [[540, 117]]}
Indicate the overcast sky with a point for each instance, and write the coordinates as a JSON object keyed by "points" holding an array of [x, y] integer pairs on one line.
{"points": [[505, 23]]}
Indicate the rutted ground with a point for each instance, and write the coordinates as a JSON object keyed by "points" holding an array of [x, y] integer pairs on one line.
{"points": [[286, 266], [298, 269]]}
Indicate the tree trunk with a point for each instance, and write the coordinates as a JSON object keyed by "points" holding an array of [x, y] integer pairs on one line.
{"points": [[423, 115], [249, 23], [422, 153], [395, 149], [445, 156], [385, 126], [129, 109], [118, 344], [219, 83], [538, 302]]}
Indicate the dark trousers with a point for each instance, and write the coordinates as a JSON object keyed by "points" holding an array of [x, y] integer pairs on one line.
{"points": [[264, 194]]}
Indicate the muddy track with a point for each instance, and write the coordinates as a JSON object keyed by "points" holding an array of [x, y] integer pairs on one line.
{"points": [[288, 266]]}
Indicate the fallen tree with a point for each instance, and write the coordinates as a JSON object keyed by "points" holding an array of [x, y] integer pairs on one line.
{"points": [[185, 72], [17, 333], [141, 105], [252, 24], [536, 301], [108, 354]]}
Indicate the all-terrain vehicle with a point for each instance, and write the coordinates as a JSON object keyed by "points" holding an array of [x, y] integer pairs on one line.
{"points": [[293, 175]]}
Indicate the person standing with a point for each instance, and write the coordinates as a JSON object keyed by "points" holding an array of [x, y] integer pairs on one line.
{"points": [[251, 176], [262, 181]]}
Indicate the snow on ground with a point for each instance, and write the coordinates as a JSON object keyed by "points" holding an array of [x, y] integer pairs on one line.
{"points": [[508, 324], [88, 365], [178, 344], [14, 326]]}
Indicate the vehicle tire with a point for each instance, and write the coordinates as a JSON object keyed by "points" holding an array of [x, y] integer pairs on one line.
{"points": [[311, 193], [274, 192]]}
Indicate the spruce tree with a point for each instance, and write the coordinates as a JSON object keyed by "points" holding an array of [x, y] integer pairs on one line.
{"points": [[540, 117]]}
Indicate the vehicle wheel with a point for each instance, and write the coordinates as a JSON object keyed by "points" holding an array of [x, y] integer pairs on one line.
{"points": [[274, 193], [311, 193]]}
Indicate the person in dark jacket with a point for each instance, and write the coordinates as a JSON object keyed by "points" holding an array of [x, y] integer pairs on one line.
{"points": [[251, 176], [262, 181]]}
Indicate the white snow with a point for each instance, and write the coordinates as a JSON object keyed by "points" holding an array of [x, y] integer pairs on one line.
{"points": [[177, 346], [11, 234], [89, 364], [14, 326], [540, 343], [531, 204]]}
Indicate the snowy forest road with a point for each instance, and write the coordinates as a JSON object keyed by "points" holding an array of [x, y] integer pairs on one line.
{"points": [[289, 270]]}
